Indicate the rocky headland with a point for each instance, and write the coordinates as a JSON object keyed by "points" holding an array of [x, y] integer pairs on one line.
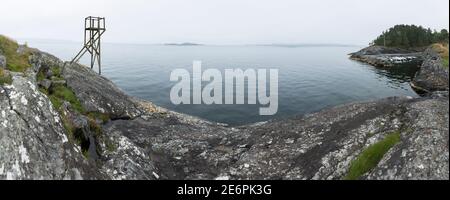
{"points": [[432, 75], [380, 56], [63, 121]]}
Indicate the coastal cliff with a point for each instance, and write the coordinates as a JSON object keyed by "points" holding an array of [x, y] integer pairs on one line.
{"points": [[63, 121]]}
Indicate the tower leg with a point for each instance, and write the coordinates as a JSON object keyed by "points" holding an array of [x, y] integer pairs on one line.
{"points": [[99, 57]]}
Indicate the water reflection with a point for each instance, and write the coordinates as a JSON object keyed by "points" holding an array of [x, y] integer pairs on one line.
{"points": [[397, 75], [400, 73]]}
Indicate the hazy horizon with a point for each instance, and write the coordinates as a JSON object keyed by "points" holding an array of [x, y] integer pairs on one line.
{"points": [[49, 40], [232, 22]]}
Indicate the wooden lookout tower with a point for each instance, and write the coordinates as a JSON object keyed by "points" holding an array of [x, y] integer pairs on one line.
{"points": [[94, 27]]}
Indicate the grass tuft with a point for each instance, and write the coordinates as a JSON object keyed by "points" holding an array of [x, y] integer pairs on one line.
{"points": [[5, 78], [61, 93], [445, 62], [40, 75], [371, 156], [14, 61], [442, 50], [56, 71], [101, 116]]}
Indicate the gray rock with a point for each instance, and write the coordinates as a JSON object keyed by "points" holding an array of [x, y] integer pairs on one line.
{"points": [[387, 57], [82, 133], [39, 59], [98, 94], [22, 49], [2, 61], [45, 83], [49, 74], [432, 75], [59, 82], [423, 151], [33, 141], [325, 143]]}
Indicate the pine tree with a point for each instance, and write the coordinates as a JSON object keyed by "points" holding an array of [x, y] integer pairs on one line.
{"points": [[410, 36]]}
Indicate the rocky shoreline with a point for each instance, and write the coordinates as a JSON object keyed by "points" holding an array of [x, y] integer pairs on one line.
{"points": [[387, 57], [115, 136], [432, 75]]}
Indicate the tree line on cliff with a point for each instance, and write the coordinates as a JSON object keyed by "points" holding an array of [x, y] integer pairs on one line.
{"points": [[409, 36]]}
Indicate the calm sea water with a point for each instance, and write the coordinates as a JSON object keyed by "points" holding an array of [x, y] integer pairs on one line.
{"points": [[310, 78]]}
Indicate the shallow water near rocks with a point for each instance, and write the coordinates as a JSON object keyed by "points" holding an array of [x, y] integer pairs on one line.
{"points": [[310, 78]]}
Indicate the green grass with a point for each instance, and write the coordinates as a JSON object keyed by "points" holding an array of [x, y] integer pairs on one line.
{"points": [[68, 126], [14, 61], [40, 76], [94, 127], [56, 71], [445, 62], [58, 95], [371, 156], [101, 116], [61, 93], [5, 78], [57, 102], [110, 146]]}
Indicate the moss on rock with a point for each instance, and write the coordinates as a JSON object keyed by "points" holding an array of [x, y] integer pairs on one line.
{"points": [[371, 156]]}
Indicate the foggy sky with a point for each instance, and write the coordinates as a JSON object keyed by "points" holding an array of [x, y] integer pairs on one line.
{"points": [[220, 21]]}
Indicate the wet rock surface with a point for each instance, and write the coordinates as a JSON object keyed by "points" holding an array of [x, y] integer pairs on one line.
{"points": [[142, 141]]}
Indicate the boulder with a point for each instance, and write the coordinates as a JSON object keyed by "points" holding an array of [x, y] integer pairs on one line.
{"points": [[39, 59], [49, 74], [45, 83], [98, 94], [33, 140], [432, 75]]}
